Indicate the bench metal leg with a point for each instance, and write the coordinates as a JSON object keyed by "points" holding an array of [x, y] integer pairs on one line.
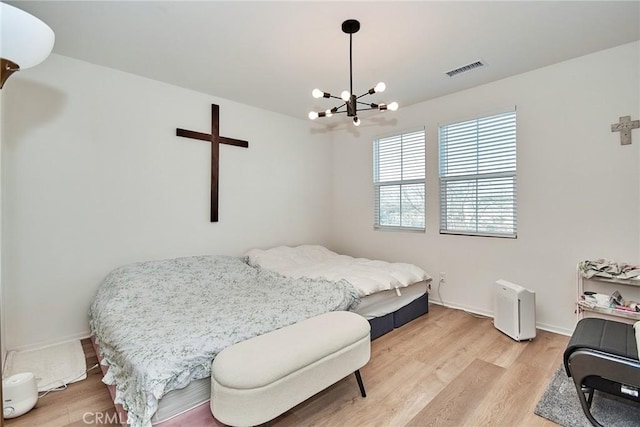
{"points": [[360, 384], [588, 392], [585, 395]]}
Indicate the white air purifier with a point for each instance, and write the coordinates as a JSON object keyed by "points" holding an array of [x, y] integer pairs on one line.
{"points": [[515, 311], [20, 394]]}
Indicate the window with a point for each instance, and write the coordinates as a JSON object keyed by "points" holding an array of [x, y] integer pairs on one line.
{"points": [[399, 181], [478, 176]]}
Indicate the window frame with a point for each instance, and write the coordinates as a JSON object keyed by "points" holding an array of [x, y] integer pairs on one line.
{"points": [[479, 178], [377, 184]]}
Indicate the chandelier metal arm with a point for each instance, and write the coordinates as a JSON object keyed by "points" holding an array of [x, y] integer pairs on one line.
{"points": [[368, 104], [336, 110]]}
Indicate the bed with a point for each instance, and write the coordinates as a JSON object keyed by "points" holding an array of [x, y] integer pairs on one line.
{"points": [[157, 325]]}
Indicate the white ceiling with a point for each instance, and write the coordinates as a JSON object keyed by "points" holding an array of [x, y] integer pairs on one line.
{"points": [[272, 54]]}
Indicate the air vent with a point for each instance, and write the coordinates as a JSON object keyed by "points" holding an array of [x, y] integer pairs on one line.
{"points": [[465, 68]]}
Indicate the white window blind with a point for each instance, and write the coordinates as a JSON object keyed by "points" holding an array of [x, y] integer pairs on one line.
{"points": [[478, 176], [399, 181]]}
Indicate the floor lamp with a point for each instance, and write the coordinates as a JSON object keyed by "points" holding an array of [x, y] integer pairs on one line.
{"points": [[26, 42]]}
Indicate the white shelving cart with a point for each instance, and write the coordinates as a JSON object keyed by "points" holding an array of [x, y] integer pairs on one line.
{"points": [[628, 288]]}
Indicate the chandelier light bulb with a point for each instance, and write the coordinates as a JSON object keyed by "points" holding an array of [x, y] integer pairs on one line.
{"points": [[393, 106], [329, 113], [356, 121], [313, 115], [380, 87], [345, 95], [317, 93]]}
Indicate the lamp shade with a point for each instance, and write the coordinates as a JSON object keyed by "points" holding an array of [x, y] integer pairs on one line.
{"points": [[24, 39]]}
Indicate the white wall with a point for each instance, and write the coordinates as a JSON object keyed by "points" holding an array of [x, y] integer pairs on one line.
{"points": [[94, 177], [578, 189]]}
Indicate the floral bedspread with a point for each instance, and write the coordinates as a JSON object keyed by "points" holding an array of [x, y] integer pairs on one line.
{"points": [[160, 323]]}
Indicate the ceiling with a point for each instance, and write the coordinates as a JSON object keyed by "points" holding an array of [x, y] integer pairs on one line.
{"points": [[272, 54]]}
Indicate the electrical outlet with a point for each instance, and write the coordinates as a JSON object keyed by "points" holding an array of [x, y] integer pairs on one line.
{"points": [[443, 277]]}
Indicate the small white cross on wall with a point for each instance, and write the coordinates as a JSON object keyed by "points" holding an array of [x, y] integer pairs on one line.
{"points": [[624, 126]]}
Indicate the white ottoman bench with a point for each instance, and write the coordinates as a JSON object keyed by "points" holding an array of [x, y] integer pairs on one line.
{"points": [[254, 381]]}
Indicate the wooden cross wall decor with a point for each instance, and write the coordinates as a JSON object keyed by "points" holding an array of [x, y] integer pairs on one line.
{"points": [[624, 126], [215, 139]]}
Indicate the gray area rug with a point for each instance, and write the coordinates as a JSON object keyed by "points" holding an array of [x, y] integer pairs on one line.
{"points": [[560, 404]]}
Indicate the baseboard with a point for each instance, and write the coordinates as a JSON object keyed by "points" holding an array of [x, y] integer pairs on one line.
{"points": [[42, 344], [468, 309], [554, 329], [473, 310]]}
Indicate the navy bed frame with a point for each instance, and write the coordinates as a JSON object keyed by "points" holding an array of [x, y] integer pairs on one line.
{"points": [[387, 323]]}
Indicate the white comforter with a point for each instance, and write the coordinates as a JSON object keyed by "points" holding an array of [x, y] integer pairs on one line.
{"points": [[313, 261]]}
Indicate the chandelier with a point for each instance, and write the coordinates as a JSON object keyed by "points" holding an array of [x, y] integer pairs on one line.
{"points": [[351, 101]]}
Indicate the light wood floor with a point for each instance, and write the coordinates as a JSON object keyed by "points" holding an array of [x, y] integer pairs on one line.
{"points": [[448, 368]]}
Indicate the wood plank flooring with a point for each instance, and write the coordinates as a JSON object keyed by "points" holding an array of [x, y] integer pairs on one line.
{"points": [[448, 368]]}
